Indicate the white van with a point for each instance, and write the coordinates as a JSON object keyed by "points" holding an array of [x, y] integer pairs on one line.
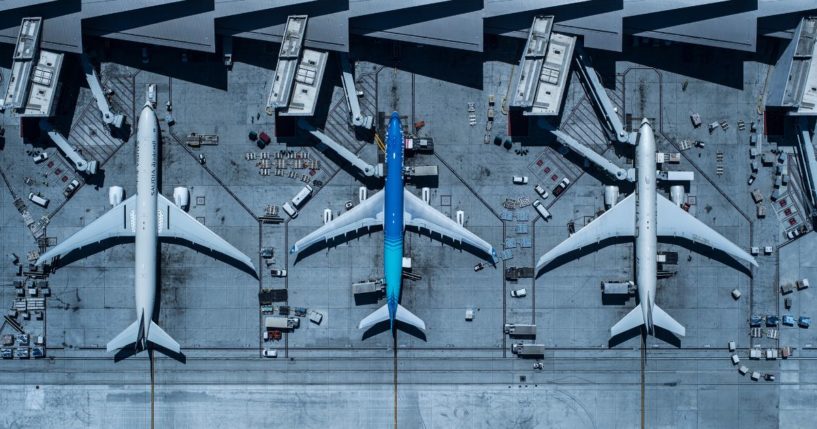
{"points": [[291, 211], [38, 200], [542, 210]]}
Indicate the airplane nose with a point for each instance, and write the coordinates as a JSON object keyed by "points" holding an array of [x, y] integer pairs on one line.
{"points": [[394, 115], [645, 121]]}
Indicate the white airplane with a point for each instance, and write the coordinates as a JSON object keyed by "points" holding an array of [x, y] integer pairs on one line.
{"points": [[645, 215], [148, 217]]}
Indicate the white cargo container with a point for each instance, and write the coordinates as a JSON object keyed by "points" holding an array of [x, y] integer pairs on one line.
{"points": [[528, 350], [281, 322]]}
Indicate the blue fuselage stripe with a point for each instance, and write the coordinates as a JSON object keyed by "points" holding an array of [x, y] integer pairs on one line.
{"points": [[393, 214]]}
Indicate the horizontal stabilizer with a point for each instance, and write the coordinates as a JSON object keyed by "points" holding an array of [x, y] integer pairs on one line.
{"points": [[380, 315], [663, 320], [409, 318], [158, 336], [129, 336], [633, 319]]}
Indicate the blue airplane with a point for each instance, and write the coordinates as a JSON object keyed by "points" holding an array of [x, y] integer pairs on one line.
{"points": [[394, 209]]}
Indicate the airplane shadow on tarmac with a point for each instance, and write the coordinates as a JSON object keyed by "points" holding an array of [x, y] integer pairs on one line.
{"points": [[660, 333], [132, 349], [384, 327]]}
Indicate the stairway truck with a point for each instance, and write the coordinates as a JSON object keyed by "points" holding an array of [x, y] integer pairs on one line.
{"points": [[520, 330], [528, 350]]}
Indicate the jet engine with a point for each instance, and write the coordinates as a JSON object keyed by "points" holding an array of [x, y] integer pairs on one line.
{"points": [[181, 197], [677, 194], [115, 195], [610, 196]]}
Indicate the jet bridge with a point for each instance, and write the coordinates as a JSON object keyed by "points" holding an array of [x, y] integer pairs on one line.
{"points": [[806, 143], [348, 80], [599, 97], [605, 164], [366, 168], [108, 116], [81, 164]]}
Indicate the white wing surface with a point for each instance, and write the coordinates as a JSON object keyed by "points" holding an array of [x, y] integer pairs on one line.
{"points": [[673, 221], [420, 215], [365, 215], [176, 223], [619, 221], [116, 222]]}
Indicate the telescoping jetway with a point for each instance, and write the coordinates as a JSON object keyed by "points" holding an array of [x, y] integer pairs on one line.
{"points": [[81, 164], [596, 158], [807, 157], [599, 97], [366, 168], [108, 116], [348, 80]]}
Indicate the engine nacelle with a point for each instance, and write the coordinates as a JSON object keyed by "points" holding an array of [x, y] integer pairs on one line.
{"points": [[677, 194], [461, 217], [115, 195], [181, 197], [610, 196]]}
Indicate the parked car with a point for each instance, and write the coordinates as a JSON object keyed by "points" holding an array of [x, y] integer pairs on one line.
{"points": [[480, 266], [71, 188], [561, 187], [541, 191], [278, 273], [40, 157], [270, 353], [520, 180], [519, 293]]}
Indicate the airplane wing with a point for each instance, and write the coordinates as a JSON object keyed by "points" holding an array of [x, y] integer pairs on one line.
{"points": [[619, 221], [116, 222], [174, 222], [673, 221], [365, 215], [421, 215]]}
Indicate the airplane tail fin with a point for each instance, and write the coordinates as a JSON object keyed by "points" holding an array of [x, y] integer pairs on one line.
{"points": [[131, 334], [633, 319], [135, 333], [158, 336], [662, 319], [382, 315]]}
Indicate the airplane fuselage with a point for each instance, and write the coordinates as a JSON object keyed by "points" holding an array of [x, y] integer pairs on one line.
{"points": [[146, 217], [393, 215], [646, 218]]}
